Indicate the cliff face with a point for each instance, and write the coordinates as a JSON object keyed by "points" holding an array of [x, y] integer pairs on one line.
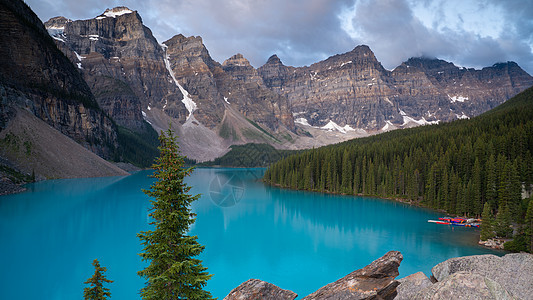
{"points": [[235, 83], [135, 79], [252, 96], [128, 71], [446, 92], [349, 89], [215, 105], [353, 89], [193, 67], [122, 63], [36, 76]]}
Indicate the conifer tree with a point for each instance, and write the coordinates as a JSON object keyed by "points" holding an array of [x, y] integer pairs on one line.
{"points": [[97, 291], [487, 230], [491, 186], [529, 225], [346, 180], [173, 272], [503, 222]]}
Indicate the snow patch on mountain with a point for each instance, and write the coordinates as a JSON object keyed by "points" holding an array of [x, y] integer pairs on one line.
{"points": [[333, 126], [423, 121], [345, 63], [187, 100], [115, 12], [457, 98], [79, 57], [463, 116], [58, 38], [55, 30], [302, 121], [388, 126]]}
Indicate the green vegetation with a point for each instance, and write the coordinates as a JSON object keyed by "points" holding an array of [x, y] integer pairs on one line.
{"points": [[457, 166], [97, 291], [139, 149], [173, 272], [227, 131], [528, 224], [262, 130], [16, 176], [487, 229], [11, 142], [250, 155]]}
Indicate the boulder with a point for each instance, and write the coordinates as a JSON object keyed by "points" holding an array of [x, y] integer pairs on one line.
{"points": [[258, 289], [514, 272], [464, 285], [493, 243], [411, 285], [375, 281]]}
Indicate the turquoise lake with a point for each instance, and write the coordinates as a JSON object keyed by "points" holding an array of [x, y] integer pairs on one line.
{"points": [[297, 240]]}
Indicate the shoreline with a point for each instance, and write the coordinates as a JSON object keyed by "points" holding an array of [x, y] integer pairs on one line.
{"points": [[490, 244], [8, 187]]}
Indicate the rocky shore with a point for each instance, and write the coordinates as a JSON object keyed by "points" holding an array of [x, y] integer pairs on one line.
{"points": [[474, 277], [494, 243], [9, 187]]}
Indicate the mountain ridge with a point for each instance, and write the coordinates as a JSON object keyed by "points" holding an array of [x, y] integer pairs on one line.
{"points": [[350, 93], [351, 90]]}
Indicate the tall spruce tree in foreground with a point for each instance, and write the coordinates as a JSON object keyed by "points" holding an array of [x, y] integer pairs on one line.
{"points": [[97, 291], [173, 272]]}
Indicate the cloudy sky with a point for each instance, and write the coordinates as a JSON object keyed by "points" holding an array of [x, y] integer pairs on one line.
{"points": [[470, 33]]}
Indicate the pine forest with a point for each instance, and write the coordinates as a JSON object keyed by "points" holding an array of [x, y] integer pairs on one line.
{"points": [[459, 167]]}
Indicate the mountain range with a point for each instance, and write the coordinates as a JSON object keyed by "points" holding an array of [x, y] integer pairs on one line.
{"points": [[110, 76]]}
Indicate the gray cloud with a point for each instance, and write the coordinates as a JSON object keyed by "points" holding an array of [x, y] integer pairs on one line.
{"points": [[305, 31], [299, 31], [395, 33]]}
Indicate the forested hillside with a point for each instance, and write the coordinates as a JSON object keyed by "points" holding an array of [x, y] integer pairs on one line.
{"points": [[249, 156], [456, 166]]}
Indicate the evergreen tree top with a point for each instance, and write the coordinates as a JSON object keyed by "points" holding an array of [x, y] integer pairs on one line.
{"points": [[174, 271], [97, 291]]}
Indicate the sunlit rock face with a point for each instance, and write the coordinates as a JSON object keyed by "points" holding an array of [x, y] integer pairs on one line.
{"points": [[122, 63], [354, 89]]}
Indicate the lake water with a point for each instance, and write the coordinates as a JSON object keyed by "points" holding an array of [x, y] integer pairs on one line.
{"points": [[294, 239]]}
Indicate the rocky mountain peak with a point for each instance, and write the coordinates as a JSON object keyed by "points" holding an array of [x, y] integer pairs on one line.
{"points": [[236, 60], [180, 38], [274, 60], [115, 12], [361, 57], [511, 66], [190, 47], [362, 49], [429, 64], [57, 22], [56, 25]]}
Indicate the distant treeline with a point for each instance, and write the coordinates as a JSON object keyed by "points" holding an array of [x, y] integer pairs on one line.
{"points": [[137, 148], [457, 166], [250, 155]]}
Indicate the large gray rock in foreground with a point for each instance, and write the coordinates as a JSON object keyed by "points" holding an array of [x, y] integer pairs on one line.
{"points": [[258, 289], [411, 285], [375, 281], [514, 272], [464, 285]]}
